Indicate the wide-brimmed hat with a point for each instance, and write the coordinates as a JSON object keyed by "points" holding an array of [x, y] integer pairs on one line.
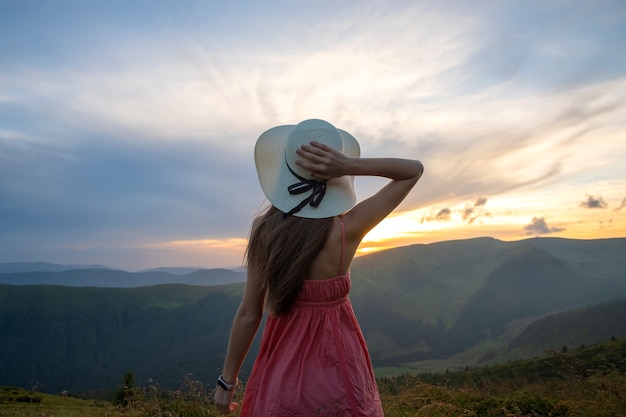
{"points": [[288, 186]]}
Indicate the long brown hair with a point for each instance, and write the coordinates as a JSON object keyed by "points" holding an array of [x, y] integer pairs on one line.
{"points": [[282, 250]]}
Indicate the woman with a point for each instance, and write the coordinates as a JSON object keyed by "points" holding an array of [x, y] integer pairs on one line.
{"points": [[313, 360]]}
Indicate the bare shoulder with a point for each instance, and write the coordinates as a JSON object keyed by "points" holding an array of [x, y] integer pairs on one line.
{"points": [[328, 262]]}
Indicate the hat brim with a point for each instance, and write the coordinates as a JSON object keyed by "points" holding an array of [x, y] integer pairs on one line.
{"points": [[275, 177]]}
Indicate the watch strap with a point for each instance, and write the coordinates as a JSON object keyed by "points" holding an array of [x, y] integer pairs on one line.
{"points": [[226, 385]]}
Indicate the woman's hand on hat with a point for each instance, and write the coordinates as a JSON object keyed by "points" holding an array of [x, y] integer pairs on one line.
{"points": [[322, 161]]}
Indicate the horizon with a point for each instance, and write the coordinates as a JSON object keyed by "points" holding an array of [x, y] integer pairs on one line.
{"points": [[127, 129], [242, 267]]}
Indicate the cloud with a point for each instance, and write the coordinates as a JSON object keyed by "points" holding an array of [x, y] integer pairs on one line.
{"points": [[195, 82], [444, 214], [473, 212], [539, 226], [480, 202], [593, 202], [604, 223], [469, 212], [166, 191], [621, 206]]}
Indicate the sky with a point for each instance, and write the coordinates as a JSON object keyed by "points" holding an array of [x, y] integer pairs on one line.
{"points": [[127, 128]]}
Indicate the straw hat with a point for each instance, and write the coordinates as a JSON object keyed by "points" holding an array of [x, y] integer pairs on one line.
{"points": [[288, 186]]}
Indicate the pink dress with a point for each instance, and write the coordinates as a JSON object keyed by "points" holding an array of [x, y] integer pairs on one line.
{"points": [[313, 360]]}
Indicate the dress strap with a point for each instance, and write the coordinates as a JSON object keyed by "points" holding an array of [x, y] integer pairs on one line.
{"points": [[343, 246]]}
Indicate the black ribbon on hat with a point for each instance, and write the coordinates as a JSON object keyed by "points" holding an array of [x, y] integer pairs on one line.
{"points": [[317, 188]]}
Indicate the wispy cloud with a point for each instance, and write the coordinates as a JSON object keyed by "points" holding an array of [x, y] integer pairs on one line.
{"points": [[467, 212], [471, 212], [443, 214]]}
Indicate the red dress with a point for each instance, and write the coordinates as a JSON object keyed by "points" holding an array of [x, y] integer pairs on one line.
{"points": [[313, 360]]}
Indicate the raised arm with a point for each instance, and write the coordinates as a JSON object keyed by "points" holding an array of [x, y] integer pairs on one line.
{"points": [[325, 163]]}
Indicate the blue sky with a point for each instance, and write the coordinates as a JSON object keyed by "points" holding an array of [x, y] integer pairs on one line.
{"points": [[127, 127]]}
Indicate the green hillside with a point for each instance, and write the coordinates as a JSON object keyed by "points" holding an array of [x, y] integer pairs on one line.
{"points": [[432, 281], [64, 338], [426, 302], [437, 306], [570, 329]]}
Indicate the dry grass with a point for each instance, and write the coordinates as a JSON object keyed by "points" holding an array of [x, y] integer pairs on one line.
{"points": [[590, 383]]}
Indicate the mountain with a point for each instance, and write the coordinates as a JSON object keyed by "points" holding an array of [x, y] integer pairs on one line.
{"points": [[573, 329], [175, 270], [111, 278], [415, 303], [79, 339], [432, 301], [12, 267]]}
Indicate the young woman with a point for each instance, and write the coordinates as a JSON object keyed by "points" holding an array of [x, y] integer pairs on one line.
{"points": [[313, 360]]}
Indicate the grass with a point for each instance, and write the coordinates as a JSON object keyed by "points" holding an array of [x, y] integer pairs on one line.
{"points": [[589, 382], [19, 402]]}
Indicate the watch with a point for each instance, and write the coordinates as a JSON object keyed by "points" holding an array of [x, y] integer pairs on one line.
{"points": [[226, 385]]}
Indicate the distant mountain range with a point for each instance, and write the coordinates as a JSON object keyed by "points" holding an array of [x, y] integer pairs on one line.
{"points": [[17, 267], [27, 273], [482, 300]]}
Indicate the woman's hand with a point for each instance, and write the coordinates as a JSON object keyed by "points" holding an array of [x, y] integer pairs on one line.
{"points": [[223, 400], [323, 162]]}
